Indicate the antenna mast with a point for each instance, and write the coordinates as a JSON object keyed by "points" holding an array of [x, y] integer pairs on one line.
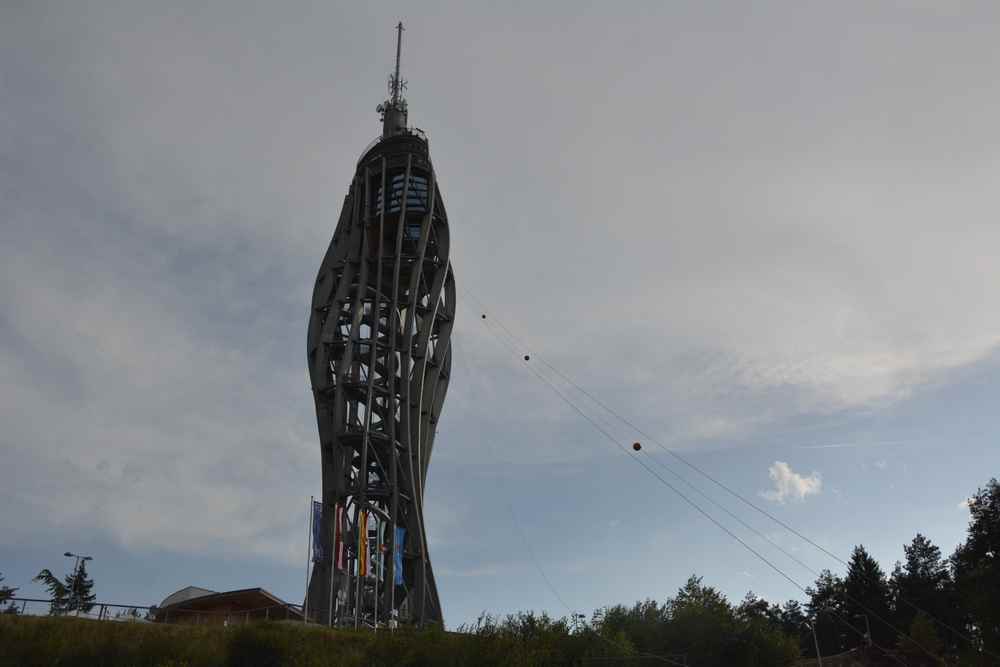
{"points": [[393, 110], [396, 83]]}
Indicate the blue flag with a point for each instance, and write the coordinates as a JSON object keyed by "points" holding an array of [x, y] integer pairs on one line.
{"points": [[398, 556], [317, 528]]}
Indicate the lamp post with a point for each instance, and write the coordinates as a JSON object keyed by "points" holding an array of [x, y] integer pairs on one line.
{"points": [[812, 626], [868, 631], [76, 579]]}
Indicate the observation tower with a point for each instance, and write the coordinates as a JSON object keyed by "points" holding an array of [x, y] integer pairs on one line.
{"points": [[379, 355]]}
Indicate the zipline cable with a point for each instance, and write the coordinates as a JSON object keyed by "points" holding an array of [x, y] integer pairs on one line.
{"points": [[515, 341], [704, 513], [517, 526], [548, 583]]}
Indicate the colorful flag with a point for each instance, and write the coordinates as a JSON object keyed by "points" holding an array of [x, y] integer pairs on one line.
{"points": [[363, 551], [317, 531], [338, 539], [398, 556]]}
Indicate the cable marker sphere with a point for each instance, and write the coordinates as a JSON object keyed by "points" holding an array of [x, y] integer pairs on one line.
{"points": [[636, 446]]}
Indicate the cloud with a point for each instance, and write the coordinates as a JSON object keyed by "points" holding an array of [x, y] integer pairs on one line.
{"points": [[790, 484], [854, 445], [483, 571], [165, 213]]}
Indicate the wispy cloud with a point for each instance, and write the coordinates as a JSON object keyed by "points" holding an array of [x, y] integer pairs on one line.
{"points": [[484, 571], [790, 484], [856, 445]]}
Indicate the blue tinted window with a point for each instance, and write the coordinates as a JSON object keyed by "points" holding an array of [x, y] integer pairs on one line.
{"points": [[416, 195]]}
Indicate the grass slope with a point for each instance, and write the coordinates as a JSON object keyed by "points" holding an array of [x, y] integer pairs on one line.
{"points": [[71, 642]]}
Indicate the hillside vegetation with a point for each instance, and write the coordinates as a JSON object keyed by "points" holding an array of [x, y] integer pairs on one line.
{"points": [[70, 642], [930, 611]]}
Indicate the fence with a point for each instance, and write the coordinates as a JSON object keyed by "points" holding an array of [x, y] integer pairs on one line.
{"points": [[105, 611], [275, 612], [110, 611]]}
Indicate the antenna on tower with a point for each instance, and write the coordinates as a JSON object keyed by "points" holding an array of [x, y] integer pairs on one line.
{"points": [[393, 110], [397, 83]]}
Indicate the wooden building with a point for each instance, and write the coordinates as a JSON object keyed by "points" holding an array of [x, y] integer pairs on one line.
{"points": [[196, 606]]}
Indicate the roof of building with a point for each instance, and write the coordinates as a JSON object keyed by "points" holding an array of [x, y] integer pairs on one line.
{"points": [[184, 594], [197, 599]]}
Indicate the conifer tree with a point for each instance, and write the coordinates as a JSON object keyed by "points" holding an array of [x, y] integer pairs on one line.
{"points": [[58, 593], [80, 588], [826, 610], [867, 596], [976, 566], [6, 593], [74, 593], [924, 584], [921, 640]]}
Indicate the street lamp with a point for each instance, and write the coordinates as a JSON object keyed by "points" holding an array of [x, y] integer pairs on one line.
{"points": [[868, 630], [76, 572], [812, 626]]}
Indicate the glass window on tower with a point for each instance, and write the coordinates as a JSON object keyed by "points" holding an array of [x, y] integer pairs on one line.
{"points": [[416, 195]]}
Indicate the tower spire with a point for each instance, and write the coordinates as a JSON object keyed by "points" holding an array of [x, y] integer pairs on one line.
{"points": [[395, 79], [393, 110]]}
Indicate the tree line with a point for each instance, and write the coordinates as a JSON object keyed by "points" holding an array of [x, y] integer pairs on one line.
{"points": [[929, 610]]}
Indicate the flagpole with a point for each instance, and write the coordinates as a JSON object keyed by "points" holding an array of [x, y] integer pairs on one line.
{"points": [[378, 560], [305, 602], [333, 560], [361, 527]]}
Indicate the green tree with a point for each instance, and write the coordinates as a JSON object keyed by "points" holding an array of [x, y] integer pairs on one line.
{"points": [[73, 594], [81, 589], [6, 593], [58, 593], [924, 583], [753, 609], [792, 618], [761, 638], [867, 595], [705, 626], [827, 610], [921, 640], [643, 623], [976, 566], [702, 622]]}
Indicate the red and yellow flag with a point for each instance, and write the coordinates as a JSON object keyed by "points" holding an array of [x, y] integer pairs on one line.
{"points": [[363, 542]]}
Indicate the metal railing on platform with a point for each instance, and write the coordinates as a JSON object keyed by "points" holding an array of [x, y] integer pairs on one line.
{"points": [[415, 131]]}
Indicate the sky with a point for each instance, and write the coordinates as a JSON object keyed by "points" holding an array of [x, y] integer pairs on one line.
{"points": [[763, 233]]}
